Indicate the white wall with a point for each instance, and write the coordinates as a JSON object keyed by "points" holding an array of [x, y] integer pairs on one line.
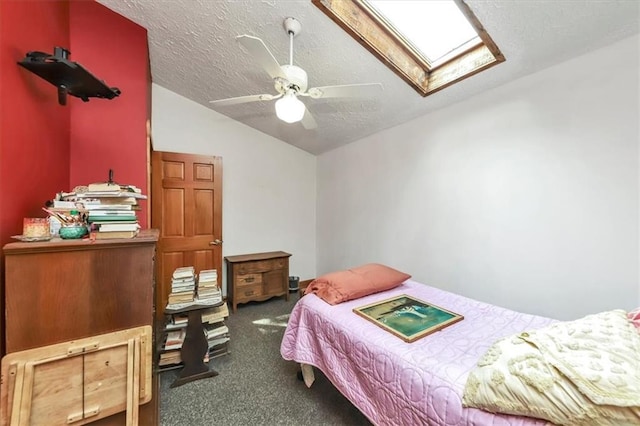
{"points": [[269, 187], [525, 196]]}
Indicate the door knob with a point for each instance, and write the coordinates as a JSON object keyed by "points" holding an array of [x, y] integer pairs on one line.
{"points": [[215, 242]]}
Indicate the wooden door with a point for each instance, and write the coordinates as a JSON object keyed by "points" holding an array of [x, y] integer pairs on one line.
{"points": [[186, 206]]}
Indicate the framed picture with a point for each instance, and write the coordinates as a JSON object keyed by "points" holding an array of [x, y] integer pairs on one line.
{"points": [[407, 317]]}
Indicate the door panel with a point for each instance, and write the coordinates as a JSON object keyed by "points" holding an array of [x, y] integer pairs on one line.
{"points": [[187, 208]]}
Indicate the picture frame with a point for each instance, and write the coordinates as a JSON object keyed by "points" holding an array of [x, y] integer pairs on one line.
{"points": [[407, 317]]}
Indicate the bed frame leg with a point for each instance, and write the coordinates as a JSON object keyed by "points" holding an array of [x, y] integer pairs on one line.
{"points": [[306, 374]]}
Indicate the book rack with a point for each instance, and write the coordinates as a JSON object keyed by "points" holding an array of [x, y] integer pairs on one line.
{"points": [[194, 347]]}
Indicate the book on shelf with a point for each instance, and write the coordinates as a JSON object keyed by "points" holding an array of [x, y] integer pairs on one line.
{"points": [[208, 275], [61, 204], [175, 300], [182, 279], [110, 218], [209, 300], [181, 294], [100, 206], [204, 294], [111, 212], [113, 235], [170, 357], [176, 321], [103, 186], [110, 227], [215, 314], [183, 288], [215, 330], [111, 194], [105, 201], [217, 341], [184, 272], [175, 339], [208, 284]]}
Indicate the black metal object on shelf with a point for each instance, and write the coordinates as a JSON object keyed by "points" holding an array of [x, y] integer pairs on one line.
{"points": [[69, 77]]}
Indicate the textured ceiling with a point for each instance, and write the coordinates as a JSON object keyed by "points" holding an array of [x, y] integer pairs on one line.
{"points": [[193, 52]]}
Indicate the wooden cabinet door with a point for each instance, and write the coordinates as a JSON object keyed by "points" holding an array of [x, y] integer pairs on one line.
{"points": [[186, 206], [275, 282]]}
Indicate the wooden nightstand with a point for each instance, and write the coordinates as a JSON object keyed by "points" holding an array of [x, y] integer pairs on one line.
{"points": [[303, 286], [257, 277]]}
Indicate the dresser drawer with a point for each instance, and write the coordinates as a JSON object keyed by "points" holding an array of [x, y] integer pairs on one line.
{"points": [[249, 291], [248, 279], [261, 266]]}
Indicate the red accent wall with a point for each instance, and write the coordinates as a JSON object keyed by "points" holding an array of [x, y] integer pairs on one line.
{"points": [[110, 134], [34, 128]]}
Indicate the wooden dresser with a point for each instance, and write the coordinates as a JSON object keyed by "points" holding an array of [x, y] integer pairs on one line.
{"points": [[257, 276], [66, 290]]}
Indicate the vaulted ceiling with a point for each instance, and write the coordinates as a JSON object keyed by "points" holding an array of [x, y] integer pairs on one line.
{"points": [[194, 53]]}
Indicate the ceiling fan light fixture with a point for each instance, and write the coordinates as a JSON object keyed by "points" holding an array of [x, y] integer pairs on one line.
{"points": [[289, 108]]}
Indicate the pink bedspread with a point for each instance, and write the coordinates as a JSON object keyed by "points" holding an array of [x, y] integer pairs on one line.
{"points": [[398, 383]]}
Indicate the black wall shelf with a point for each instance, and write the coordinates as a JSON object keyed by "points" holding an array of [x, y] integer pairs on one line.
{"points": [[69, 77]]}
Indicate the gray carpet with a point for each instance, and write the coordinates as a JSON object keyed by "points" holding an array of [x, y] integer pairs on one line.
{"points": [[255, 385]]}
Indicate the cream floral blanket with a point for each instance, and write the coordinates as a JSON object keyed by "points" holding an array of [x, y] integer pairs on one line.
{"points": [[582, 372]]}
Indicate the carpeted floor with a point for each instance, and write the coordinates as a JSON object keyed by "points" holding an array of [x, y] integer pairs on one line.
{"points": [[255, 385]]}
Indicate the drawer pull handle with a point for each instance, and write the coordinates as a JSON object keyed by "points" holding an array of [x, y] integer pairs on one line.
{"points": [[248, 293], [249, 279]]}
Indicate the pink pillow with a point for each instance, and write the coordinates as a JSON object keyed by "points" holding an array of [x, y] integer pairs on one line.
{"points": [[340, 286], [634, 317]]}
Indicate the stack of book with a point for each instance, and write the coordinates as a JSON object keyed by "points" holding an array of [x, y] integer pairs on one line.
{"points": [[170, 357], [177, 321], [183, 284], [216, 330], [110, 221], [208, 291], [111, 210], [217, 335]]}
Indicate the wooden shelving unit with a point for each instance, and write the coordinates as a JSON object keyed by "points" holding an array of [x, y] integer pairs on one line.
{"points": [[196, 348]]}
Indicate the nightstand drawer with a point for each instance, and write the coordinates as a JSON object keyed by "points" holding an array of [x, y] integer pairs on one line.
{"points": [[248, 279], [249, 291], [261, 266]]}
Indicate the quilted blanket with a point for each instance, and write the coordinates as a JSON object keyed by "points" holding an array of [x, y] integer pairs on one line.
{"points": [[397, 383]]}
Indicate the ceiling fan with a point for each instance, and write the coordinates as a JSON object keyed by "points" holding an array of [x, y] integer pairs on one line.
{"points": [[290, 81]]}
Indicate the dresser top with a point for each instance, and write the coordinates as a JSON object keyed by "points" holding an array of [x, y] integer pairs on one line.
{"points": [[146, 236], [256, 256]]}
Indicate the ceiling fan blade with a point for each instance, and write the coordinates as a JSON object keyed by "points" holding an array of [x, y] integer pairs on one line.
{"points": [[344, 91], [308, 122], [244, 99], [261, 54]]}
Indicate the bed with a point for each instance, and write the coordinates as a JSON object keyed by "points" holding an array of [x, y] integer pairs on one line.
{"points": [[397, 383]]}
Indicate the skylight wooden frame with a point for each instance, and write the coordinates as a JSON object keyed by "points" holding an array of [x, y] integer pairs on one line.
{"points": [[364, 25]]}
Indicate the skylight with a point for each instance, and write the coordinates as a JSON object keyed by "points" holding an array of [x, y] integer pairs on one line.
{"points": [[430, 44], [435, 28]]}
